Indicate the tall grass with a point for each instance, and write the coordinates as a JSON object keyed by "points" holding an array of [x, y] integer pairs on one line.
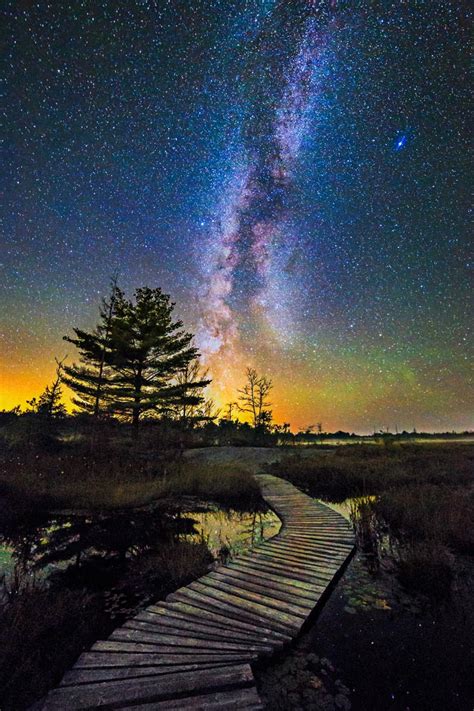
{"points": [[420, 496], [41, 634], [231, 486], [361, 470], [44, 629], [116, 477]]}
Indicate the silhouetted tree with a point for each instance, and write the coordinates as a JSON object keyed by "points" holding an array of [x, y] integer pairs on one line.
{"points": [[253, 398], [149, 349], [229, 411], [189, 404], [89, 378], [49, 404]]}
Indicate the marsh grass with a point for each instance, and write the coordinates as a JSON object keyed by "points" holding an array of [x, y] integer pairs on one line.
{"points": [[113, 477], [232, 486], [426, 567], [440, 514], [44, 629], [420, 498], [365, 470], [74, 477], [41, 634]]}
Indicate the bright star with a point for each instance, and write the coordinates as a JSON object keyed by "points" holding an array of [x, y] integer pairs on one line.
{"points": [[400, 142]]}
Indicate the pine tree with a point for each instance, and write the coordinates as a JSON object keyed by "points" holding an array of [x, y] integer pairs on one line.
{"points": [[89, 378], [49, 403], [189, 405], [149, 350]]}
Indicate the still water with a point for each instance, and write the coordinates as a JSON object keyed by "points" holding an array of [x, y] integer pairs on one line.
{"points": [[51, 544]]}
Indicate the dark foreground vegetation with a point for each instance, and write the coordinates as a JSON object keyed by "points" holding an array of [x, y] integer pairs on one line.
{"points": [[93, 519], [414, 503], [93, 516], [73, 464], [44, 627]]}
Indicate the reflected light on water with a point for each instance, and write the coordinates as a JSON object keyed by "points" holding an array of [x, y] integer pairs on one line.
{"points": [[232, 532]]}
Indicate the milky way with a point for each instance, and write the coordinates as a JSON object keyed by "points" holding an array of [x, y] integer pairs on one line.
{"points": [[243, 265], [293, 173]]}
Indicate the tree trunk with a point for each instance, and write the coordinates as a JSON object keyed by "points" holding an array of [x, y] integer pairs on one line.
{"points": [[137, 400]]}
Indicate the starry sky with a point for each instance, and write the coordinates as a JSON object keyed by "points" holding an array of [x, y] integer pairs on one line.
{"points": [[294, 173]]}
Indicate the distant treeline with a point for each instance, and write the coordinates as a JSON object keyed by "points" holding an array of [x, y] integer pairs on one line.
{"points": [[340, 434]]}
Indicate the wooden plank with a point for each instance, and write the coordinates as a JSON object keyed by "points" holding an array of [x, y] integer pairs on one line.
{"points": [[263, 597], [331, 523], [87, 676], [312, 520], [317, 532], [194, 644], [240, 612], [280, 592], [304, 548], [115, 645], [110, 694], [307, 562], [237, 609], [256, 572], [318, 546], [285, 619], [255, 569], [274, 567], [313, 527], [343, 548], [309, 572], [317, 537], [189, 607], [301, 549], [323, 567], [101, 659], [182, 628], [314, 534], [246, 699]]}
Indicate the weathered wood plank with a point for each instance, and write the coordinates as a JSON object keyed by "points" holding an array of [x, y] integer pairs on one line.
{"points": [[303, 548], [239, 611], [278, 577], [284, 619], [186, 652], [190, 606], [298, 572], [180, 627], [279, 592], [182, 644], [303, 552], [113, 694], [242, 699], [101, 659], [90, 675], [275, 605], [305, 563], [116, 645]]}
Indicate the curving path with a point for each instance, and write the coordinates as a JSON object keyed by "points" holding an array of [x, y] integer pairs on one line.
{"points": [[194, 651]]}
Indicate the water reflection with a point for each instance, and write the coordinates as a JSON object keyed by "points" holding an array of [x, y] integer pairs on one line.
{"points": [[36, 546], [227, 533]]}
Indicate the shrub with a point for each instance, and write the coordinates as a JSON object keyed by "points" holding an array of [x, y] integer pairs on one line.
{"points": [[41, 634], [426, 568]]}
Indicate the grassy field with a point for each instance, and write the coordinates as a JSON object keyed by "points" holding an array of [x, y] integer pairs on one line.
{"points": [[117, 477], [420, 497]]}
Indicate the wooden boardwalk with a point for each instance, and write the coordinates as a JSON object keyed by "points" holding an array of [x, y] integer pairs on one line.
{"points": [[194, 651]]}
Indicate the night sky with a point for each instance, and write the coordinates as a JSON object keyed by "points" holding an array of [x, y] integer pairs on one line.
{"points": [[294, 174]]}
